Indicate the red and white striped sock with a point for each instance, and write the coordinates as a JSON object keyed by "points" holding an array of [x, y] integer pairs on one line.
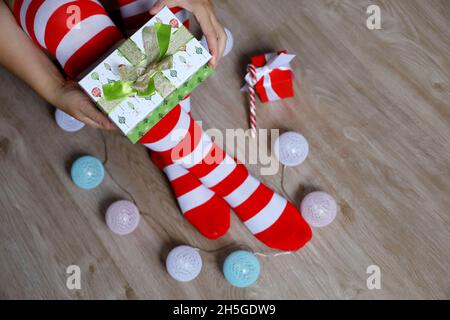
{"points": [[76, 42], [135, 13], [205, 210], [271, 218]]}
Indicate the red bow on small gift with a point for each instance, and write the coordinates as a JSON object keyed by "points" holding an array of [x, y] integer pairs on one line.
{"points": [[272, 81], [270, 76]]}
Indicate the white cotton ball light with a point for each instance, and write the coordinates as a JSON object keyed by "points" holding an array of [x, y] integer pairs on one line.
{"points": [[291, 149], [319, 209], [184, 263], [67, 122], [228, 46]]}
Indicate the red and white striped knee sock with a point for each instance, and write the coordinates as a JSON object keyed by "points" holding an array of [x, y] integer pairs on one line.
{"points": [[199, 205], [271, 218], [204, 209], [135, 13], [76, 33]]}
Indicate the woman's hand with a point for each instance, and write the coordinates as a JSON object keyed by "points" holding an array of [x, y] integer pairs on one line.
{"points": [[204, 13], [72, 100]]}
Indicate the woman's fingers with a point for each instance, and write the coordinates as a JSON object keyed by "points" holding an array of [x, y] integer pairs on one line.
{"points": [[161, 4], [94, 117], [221, 38], [89, 122], [203, 17], [204, 13], [76, 103]]}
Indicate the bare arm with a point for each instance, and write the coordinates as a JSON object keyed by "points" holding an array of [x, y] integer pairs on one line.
{"points": [[21, 57]]}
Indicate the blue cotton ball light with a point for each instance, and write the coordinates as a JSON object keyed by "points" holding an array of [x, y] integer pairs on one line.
{"points": [[87, 172], [241, 269]]}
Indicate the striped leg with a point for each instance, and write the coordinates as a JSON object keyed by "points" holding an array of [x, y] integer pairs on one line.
{"points": [[77, 33], [271, 218], [135, 13], [205, 210]]}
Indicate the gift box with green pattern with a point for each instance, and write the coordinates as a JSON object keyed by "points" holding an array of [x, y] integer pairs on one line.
{"points": [[148, 75]]}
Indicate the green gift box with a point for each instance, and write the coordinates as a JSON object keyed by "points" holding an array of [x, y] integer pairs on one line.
{"points": [[148, 75]]}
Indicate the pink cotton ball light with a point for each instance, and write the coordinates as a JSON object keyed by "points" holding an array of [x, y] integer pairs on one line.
{"points": [[122, 217], [319, 209]]}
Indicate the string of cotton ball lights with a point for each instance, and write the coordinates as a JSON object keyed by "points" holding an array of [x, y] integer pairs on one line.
{"points": [[184, 263], [318, 208], [241, 268]]}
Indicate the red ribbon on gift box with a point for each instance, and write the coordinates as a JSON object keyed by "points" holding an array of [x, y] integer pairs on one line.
{"points": [[274, 76]]}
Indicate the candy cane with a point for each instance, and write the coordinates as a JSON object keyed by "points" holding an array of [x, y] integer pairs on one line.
{"points": [[252, 99]]}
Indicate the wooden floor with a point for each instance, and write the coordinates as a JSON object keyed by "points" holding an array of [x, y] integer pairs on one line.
{"points": [[375, 107]]}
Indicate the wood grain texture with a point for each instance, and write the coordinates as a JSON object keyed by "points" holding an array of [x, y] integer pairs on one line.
{"points": [[375, 108]]}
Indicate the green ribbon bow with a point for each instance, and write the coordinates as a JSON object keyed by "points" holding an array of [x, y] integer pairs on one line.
{"points": [[144, 76]]}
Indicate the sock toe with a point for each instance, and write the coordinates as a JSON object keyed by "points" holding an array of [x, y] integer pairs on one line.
{"points": [[212, 220], [289, 233]]}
